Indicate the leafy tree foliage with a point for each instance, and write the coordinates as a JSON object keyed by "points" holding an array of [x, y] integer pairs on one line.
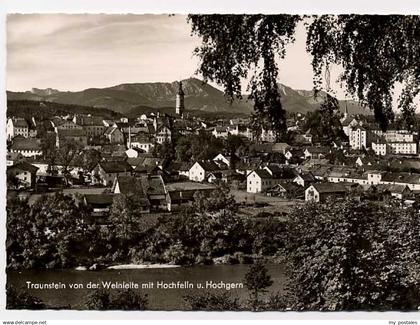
{"points": [[102, 299], [352, 255], [122, 216], [234, 45], [204, 146], [324, 123], [257, 280], [13, 181], [44, 110], [67, 153], [89, 158], [49, 149], [56, 232], [209, 301], [165, 151], [19, 299], [217, 200], [376, 52], [49, 234]]}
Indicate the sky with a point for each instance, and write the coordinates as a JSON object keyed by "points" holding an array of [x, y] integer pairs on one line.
{"points": [[78, 51]]}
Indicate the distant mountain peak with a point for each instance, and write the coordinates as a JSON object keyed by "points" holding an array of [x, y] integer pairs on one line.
{"points": [[131, 98], [44, 92]]}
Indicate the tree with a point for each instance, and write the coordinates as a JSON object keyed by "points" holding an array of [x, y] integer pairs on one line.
{"points": [[183, 149], [376, 52], [49, 150], [67, 153], [233, 144], [19, 299], [203, 146], [232, 45], [256, 281], [217, 200], [350, 255], [102, 299], [98, 300], [48, 234], [13, 181], [165, 151], [89, 159], [324, 123], [212, 301], [122, 217]]}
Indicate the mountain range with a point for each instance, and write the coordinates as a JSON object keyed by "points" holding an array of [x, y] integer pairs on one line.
{"points": [[136, 98]]}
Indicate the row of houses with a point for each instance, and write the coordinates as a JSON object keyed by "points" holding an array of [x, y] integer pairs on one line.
{"points": [[149, 193]]}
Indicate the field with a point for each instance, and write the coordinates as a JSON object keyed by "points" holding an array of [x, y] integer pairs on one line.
{"points": [[252, 204]]}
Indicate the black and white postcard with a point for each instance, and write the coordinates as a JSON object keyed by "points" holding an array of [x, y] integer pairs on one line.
{"points": [[212, 162]]}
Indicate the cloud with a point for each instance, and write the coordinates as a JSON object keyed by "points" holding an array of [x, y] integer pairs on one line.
{"points": [[78, 51]]}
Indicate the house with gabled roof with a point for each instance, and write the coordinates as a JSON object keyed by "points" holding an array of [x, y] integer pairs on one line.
{"points": [[286, 190], [294, 153], [398, 191], [114, 135], [27, 147], [222, 159], [259, 181], [316, 152], [221, 131], [154, 187], [17, 126], [200, 170], [78, 136], [134, 188], [163, 134], [106, 171], [348, 123], [150, 187], [304, 179], [412, 180], [365, 161], [23, 173], [99, 206], [141, 141], [285, 173], [320, 192], [181, 194]]}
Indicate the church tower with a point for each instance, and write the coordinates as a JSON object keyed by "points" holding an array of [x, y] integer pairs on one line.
{"points": [[346, 112], [179, 108]]}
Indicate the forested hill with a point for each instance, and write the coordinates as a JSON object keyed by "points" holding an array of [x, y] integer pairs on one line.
{"points": [[43, 110], [200, 98]]}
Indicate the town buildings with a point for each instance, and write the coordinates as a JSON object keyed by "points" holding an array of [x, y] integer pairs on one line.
{"points": [[121, 157]]}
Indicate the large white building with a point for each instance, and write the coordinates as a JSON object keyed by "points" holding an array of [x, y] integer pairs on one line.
{"points": [[396, 148], [397, 135], [17, 126], [359, 138]]}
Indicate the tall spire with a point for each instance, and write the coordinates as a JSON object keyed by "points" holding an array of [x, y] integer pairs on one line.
{"points": [[179, 107], [346, 111], [180, 90]]}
